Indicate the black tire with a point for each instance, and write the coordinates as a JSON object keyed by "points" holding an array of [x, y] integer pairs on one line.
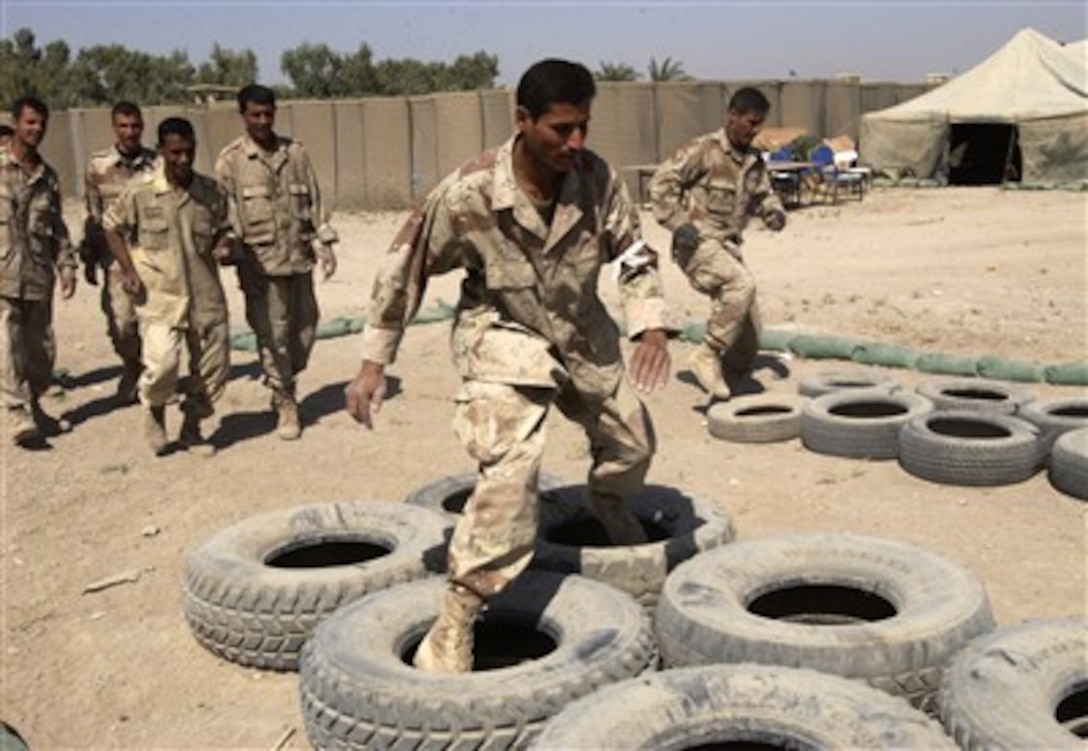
{"points": [[819, 384], [254, 592], [973, 448], [975, 394], [859, 423], [740, 706], [1054, 417], [1021, 687], [759, 418], [861, 607], [448, 495], [359, 690], [678, 526], [1069, 463]]}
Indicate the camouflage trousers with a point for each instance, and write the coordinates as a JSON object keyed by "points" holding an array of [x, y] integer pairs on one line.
{"points": [[733, 326], [284, 320], [208, 351], [121, 323], [28, 349], [502, 428]]}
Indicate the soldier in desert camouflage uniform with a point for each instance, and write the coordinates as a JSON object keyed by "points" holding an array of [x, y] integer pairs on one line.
{"points": [[34, 247], [106, 174], [705, 193], [174, 220], [282, 227], [531, 224]]}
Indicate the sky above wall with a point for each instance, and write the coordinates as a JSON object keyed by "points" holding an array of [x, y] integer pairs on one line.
{"points": [[879, 40]]}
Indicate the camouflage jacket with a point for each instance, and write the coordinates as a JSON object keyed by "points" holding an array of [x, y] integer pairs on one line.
{"points": [[171, 234], [710, 184], [106, 174], [275, 205], [530, 313], [33, 235]]}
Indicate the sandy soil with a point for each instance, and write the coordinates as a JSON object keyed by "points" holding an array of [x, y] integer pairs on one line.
{"points": [[966, 271]]}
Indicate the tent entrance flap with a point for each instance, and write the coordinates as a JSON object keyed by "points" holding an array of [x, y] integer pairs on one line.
{"points": [[983, 154]]}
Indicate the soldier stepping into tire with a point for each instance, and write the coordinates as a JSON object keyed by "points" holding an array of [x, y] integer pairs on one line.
{"points": [[531, 224]]}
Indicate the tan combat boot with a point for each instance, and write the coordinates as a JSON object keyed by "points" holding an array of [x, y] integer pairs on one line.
{"points": [[22, 426], [48, 425], [192, 439], [448, 646], [154, 427], [619, 522], [288, 428], [706, 365]]}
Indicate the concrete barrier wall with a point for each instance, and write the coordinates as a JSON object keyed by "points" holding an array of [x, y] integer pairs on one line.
{"points": [[388, 152]]}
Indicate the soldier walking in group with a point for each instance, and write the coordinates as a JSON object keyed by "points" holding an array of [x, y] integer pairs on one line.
{"points": [[168, 232], [106, 174], [35, 250], [705, 193], [531, 224], [281, 223]]}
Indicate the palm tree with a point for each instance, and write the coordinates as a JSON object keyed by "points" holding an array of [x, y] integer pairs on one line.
{"points": [[669, 70], [615, 72]]}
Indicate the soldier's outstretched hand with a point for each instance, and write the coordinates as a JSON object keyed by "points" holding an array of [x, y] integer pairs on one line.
{"points": [[364, 395], [650, 362]]}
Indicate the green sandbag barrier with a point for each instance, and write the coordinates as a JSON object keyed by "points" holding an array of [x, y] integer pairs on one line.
{"points": [[246, 340], [773, 340], [1002, 369], [874, 353], [823, 347], [810, 346], [776, 339], [1067, 374], [938, 362]]}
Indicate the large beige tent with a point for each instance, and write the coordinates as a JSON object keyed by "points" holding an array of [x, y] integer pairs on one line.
{"points": [[1021, 114]]}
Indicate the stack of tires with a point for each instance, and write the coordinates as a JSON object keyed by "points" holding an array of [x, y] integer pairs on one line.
{"points": [[952, 431], [692, 639]]}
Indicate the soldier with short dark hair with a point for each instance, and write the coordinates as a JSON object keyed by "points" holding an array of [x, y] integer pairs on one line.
{"points": [[168, 232], [705, 193], [36, 250], [281, 227], [106, 174], [531, 224]]}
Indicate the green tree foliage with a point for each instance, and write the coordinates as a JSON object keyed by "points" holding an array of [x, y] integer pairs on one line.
{"points": [[316, 71], [615, 72], [27, 70], [104, 74], [109, 73], [228, 68], [667, 70]]}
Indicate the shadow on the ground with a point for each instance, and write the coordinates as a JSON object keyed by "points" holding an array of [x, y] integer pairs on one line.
{"points": [[740, 384], [94, 408], [330, 399], [69, 381], [327, 400]]}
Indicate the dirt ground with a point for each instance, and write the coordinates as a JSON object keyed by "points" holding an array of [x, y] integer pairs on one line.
{"points": [[965, 271]]}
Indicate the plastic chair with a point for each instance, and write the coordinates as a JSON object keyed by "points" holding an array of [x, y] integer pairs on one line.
{"points": [[832, 176]]}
